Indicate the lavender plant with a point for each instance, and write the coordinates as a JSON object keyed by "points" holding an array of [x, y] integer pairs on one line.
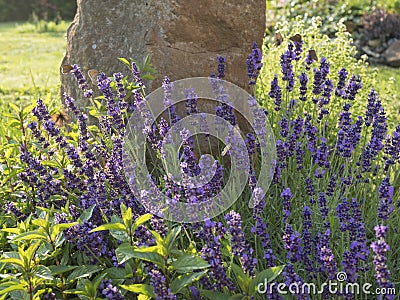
{"points": [[83, 232]]}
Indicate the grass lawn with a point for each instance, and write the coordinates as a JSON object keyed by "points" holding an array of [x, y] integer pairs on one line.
{"points": [[28, 59], [388, 79]]}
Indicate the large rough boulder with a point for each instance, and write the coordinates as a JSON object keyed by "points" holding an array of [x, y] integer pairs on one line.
{"points": [[183, 37]]}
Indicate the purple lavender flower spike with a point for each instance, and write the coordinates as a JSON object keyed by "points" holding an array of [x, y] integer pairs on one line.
{"points": [[385, 208], [254, 63], [341, 83], [260, 227], [303, 86], [221, 66], [80, 78], [382, 273], [291, 278], [276, 93], [239, 244], [287, 67], [292, 244], [159, 284], [286, 196]]}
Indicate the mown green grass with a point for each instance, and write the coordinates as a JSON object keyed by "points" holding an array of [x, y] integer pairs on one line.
{"points": [[388, 81], [29, 59], [29, 68]]}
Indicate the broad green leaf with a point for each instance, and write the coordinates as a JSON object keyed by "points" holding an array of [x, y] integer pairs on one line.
{"points": [[56, 229], [41, 222], [14, 261], [148, 77], [125, 61], [141, 220], [239, 297], [120, 236], [83, 271], [15, 108], [267, 275], [183, 280], [56, 270], [171, 238], [30, 252], [116, 273], [141, 289], [86, 214], [12, 230], [43, 272], [144, 297], [187, 263], [31, 235], [13, 287], [126, 251], [127, 217], [110, 226], [213, 295], [242, 278]]}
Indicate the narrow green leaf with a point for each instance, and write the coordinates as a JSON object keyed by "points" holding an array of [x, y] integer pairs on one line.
{"points": [[56, 229], [141, 289], [126, 251], [213, 295], [171, 237], [13, 287], [125, 61], [56, 270], [29, 254], [14, 261], [86, 214], [116, 273], [15, 108], [83, 271], [120, 235], [43, 272], [141, 220], [237, 297], [242, 278], [187, 263], [110, 226], [41, 222], [127, 217], [183, 280], [31, 235], [267, 275]]}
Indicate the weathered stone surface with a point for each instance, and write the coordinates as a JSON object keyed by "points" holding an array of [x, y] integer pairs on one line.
{"points": [[392, 54], [183, 37]]}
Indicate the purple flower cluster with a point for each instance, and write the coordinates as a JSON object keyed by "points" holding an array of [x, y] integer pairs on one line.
{"points": [[108, 290], [239, 244], [385, 208], [260, 227], [276, 93], [254, 63], [92, 244], [159, 284], [286, 196], [380, 247], [212, 233], [80, 78], [287, 67], [292, 244]]}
